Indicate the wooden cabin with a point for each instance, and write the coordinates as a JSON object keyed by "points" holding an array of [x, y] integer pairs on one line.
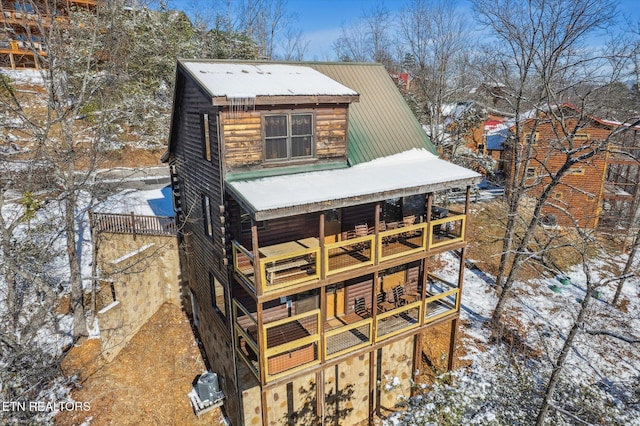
{"points": [[24, 24], [578, 197], [307, 198], [621, 193]]}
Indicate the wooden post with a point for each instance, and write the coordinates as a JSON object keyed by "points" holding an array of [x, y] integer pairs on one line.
{"points": [[255, 249], [372, 387], [320, 396], [452, 344], [376, 222], [322, 257], [428, 214], [133, 225]]}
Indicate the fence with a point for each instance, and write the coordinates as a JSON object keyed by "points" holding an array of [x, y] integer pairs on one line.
{"points": [[133, 224]]}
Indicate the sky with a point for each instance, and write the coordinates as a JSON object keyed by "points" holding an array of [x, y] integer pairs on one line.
{"points": [[321, 20]]}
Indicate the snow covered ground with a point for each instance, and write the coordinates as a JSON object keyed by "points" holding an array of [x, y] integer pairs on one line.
{"points": [[502, 387]]}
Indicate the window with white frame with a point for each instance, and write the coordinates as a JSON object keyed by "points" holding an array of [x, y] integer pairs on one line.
{"points": [[288, 136]]}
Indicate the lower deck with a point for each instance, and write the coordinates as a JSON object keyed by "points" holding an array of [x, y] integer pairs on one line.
{"points": [[318, 326]]}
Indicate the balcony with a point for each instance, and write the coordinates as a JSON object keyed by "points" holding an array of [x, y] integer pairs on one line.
{"points": [[290, 343], [22, 47], [294, 337], [303, 261]]}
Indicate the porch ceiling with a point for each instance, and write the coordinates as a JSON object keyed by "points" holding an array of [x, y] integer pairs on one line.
{"points": [[412, 172]]}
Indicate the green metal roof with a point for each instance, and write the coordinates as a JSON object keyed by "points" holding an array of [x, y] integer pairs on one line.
{"points": [[381, 123]]}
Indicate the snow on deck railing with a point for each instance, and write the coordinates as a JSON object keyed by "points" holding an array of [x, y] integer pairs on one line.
{"points": [[133, 224]]}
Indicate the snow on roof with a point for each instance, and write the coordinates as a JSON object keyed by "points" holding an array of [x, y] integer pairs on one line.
{"points": [[243, 80], [406, 173]]}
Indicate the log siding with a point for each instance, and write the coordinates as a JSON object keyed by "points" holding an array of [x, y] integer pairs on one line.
{"points": [[242, 133]]}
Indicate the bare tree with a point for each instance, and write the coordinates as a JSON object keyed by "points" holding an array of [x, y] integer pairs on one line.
{"points": [[369, 39], [263, 21], [539, 64], [436, 37], [294, 46]]}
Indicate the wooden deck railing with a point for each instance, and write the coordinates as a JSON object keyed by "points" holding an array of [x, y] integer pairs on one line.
{"points": [[243, 264], [349, 254], [403, 241], [398, 320], [22, 47], [443, 298], [292, 344], [296, 263], [348, 338], [290, 268], [133, 224], [448, 230]]}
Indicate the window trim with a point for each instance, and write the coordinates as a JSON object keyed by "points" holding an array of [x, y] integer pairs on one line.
{"points": [[289, 136], [212, 289], [531, 172], [205, 127], [527, 136], [207, 216], [581, 136]]}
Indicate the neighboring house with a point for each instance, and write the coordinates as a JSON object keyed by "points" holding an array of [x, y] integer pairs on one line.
{"points": [[479, 129], [591, 190], [23, 22], [621, 195], [306, 198]]}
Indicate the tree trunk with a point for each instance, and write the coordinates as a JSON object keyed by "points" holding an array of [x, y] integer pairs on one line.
{"points": [[559, 364], [75, 277], [627, 268]]}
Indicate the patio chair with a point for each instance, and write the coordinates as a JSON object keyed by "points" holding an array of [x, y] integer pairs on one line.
{"points": [[382, 226], [361, 230], [360, 307], [382, 304], [409, 220], [398, 296]]}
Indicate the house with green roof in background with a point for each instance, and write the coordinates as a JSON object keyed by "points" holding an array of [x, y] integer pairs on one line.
{"points": [[311, 213]]}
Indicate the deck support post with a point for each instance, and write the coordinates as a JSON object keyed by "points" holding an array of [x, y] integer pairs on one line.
{"points": [[428, 217], [320, 396], [452, 344], [372, 387], [255, 249]]}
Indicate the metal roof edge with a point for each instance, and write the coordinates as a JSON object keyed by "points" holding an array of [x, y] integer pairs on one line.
{"points": [[280, 212], [279, 171]]}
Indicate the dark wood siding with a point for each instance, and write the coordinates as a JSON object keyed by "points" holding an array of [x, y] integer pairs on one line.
{"points": [[274, 231], [199, 177], [352, 216], [360, 287]]}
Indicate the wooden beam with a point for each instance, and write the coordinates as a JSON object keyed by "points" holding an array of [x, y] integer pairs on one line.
{"points": [[372, 387], [452, 344], [255, 249]]}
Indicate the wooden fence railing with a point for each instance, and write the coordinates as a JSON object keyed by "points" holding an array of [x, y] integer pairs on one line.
{"points": [[133, 224]]}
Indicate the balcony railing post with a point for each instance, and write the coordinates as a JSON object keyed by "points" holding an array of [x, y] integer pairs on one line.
{"points": [[257, 270], [429, 229]]}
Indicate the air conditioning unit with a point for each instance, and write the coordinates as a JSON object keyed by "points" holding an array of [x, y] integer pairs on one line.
{"points": [[207, 387]]}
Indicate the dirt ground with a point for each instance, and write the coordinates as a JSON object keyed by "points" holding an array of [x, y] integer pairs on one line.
{"points": [[147, 383]]}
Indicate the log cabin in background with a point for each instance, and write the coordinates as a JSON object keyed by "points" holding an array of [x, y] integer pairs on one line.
{"points": [[308, 199], [601, 191], [24, 26]]}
